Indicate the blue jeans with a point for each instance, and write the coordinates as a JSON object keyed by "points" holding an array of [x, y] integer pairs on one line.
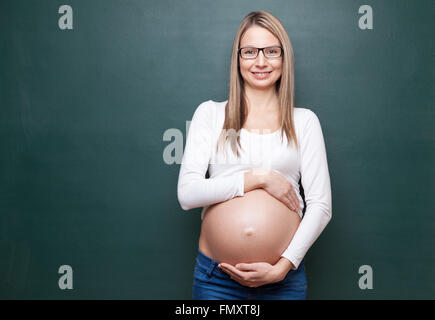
{"points": [[211, 283]]}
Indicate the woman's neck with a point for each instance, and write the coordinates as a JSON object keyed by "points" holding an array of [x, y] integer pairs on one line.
{"points": [[261, 100]]}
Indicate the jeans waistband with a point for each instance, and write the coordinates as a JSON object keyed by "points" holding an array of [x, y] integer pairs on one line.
{"points": [[205, 263]]}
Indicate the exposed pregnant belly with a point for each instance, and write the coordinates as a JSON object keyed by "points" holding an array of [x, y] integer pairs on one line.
{"points": [[253, 228]]}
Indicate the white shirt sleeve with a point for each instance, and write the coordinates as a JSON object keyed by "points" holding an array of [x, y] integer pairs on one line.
{"points": [[317, 189], [193, 189]]}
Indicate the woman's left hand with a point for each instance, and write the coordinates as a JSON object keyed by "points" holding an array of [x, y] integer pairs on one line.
{"points": [[253, 274]]}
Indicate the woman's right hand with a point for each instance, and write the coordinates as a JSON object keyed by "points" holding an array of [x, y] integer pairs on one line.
{"points": [[282, 189]]}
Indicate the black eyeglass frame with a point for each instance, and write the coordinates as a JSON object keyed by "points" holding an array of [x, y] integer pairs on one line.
{"points": [[258, 52]]}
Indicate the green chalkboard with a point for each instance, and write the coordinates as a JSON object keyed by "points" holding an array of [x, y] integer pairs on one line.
{"points": [[83, 116]]}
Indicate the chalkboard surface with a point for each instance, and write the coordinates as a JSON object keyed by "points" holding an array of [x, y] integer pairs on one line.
{"points": [[85, 104]]}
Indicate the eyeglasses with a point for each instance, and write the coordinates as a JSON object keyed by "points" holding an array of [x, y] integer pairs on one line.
{"points": [[252, 52]]}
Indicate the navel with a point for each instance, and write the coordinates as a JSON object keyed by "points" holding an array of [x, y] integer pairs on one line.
{"points": [[249, 231]]}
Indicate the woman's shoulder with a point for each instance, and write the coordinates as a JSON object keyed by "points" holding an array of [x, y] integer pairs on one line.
{"points": [[303, 112], [211, 107], [303, 115], [210, 113], [219, 106]]}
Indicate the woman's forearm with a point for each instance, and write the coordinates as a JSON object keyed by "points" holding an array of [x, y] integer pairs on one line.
{"points": [[255, 179]]}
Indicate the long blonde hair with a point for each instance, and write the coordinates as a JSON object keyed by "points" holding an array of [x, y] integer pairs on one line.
{"points": [[235, 109]]}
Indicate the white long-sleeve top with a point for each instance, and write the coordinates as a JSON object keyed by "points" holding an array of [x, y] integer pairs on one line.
{"points": [[226, 171]]}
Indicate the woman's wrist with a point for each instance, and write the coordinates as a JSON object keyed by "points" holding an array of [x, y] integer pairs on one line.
{"points": [[255, 178], [283, 266], [261, 176]]}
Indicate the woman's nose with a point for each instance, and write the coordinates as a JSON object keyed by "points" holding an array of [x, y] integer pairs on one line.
{"points": [[261, 59]]}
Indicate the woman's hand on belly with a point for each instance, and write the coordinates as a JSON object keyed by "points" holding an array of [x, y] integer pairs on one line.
{"points": [[279, 187], [255, 274]]}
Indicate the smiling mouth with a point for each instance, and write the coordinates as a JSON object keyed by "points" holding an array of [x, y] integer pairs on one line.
{"points": [[261, 73]]}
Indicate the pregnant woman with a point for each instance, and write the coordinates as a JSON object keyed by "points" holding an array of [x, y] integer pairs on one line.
{"points": [[256, 147]]}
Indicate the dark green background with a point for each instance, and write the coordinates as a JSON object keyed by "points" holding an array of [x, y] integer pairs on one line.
{"points": [[82, 117]]}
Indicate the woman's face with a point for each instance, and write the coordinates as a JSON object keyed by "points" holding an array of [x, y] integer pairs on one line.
{"points": [[259, 37]]}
